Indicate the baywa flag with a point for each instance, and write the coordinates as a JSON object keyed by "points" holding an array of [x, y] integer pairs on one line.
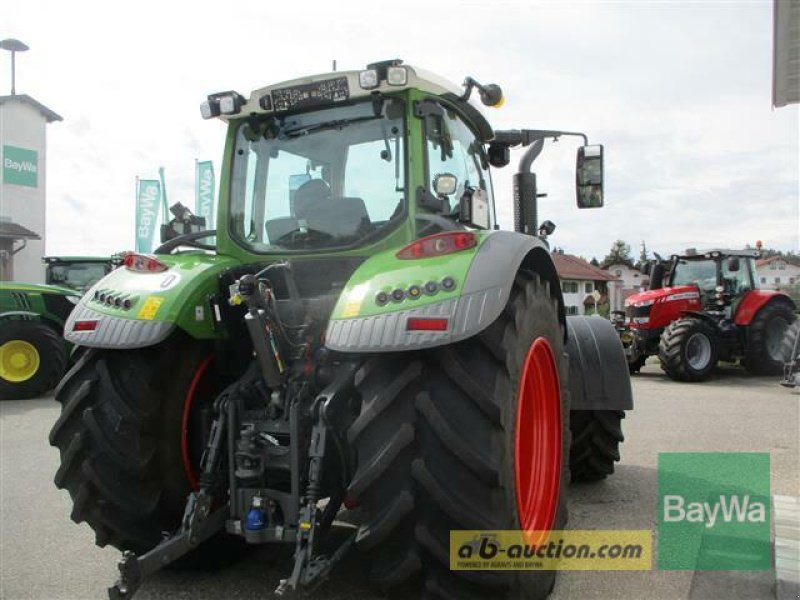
{"points": [[204, 192], [148, 200]]}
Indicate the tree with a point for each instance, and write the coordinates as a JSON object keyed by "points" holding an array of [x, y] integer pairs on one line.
{"points": [[643, 253], [594, 262], [620, 254]]}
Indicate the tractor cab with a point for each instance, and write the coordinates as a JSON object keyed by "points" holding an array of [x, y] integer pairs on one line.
{"points": [[722, 277]]}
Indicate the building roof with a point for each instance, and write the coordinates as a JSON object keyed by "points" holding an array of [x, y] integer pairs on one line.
{"points": [[25, 99], [15, 231], [572, 267], [765, 261]]}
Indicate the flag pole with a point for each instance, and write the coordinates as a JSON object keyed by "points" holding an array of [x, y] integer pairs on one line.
{"points": [[164, 203], [136, 215]]}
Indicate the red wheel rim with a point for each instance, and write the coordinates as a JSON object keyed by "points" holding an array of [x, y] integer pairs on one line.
{"points": [[188, 403], [537, 439]]}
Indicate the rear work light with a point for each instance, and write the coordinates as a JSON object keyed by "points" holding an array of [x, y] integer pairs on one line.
{"points": [[438, 245], [426, 324], [84, 326], [143, 264]]}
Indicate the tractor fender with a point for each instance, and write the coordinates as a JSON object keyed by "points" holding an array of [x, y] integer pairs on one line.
{"points": [[754, 301], [700, 315], [489, 274], [598, 371]]}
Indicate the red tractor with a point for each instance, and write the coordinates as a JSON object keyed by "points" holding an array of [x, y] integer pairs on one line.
{"points": [[710, 310]]}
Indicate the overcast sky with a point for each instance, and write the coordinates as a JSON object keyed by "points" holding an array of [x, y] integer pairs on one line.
{"points": [[678, 93]]}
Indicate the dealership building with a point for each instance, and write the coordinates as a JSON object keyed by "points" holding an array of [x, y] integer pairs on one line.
{"points": [[23, 189]]}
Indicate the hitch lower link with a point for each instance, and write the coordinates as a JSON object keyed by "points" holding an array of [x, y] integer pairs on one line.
{"points": [[199, 523]]}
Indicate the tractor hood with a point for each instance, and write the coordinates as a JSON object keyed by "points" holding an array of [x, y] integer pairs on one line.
{"points": [[667, 294]]}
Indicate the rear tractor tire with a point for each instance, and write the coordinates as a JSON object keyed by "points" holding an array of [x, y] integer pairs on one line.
{"points": [[33, 358], [120, 438], [596, 436], [689, 349], [765, 354], [462, 437]]}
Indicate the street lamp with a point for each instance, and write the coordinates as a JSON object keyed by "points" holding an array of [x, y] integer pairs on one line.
{"points": [[13, 46]]}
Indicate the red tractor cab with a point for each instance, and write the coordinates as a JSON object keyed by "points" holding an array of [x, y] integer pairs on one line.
{"points": [[709, 310]]}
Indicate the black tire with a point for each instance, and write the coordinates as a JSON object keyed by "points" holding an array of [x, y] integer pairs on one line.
{"points": [[678, 341], [596, 436], [764, 354], [52, 355], [635, 365], [435, 445], [120, 443]]}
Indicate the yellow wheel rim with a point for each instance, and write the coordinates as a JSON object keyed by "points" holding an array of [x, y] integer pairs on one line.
{"points": [[19, 361]]}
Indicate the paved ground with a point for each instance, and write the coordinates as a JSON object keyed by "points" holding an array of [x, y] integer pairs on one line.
{"points": [[44, 555]]}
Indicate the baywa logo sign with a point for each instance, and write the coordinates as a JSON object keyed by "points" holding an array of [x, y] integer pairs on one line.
{"points": [[714, 511], [20, 166]]}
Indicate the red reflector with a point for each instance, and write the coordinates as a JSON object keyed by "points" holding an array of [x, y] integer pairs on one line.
{"points": [[439, 244], [421, 324], [143, 264], [84, 326]]}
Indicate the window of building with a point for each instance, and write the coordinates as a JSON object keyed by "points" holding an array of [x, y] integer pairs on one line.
{"points": [[618, 272], [777, 280], [588, 288], [569, 287], [572, 310], [763, 280], [791, 280]]}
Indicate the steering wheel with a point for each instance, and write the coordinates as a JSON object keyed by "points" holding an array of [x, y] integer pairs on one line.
{"points": [[187, 239], [306, 234]]}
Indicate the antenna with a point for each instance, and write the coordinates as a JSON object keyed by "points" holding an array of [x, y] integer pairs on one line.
{"points": [[13, 46], [334, 64]]}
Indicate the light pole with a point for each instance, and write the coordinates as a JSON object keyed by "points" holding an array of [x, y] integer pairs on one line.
{"points": [[13, 46]]}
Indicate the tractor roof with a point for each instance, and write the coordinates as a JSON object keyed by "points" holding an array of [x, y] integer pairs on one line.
{"points": [[76, 259], [345, 86], [692, 254]]}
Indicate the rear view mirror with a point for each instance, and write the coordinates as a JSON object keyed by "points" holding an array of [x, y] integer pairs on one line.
{"points": [[474, 210], [589, 177]]}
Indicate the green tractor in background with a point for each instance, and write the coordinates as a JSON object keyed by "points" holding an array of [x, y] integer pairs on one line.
{"points": [[33, 353], [77, 272], [355, 333]]}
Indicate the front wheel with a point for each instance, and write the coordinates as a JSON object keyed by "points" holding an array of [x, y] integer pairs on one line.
{"points": [[33, 357], [469, 436], [689, 349]]}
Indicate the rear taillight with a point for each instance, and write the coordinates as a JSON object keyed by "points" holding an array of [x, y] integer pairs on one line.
{"points": [[143, 264], [426, 324], [439, 244], [84, 326]]}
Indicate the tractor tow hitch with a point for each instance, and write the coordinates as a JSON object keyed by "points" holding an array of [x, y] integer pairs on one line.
{"points": [[200, 521]]}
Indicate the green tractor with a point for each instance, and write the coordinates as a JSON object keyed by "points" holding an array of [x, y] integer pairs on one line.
{"points": [[33, 353], [356, 333], [77, 272]]}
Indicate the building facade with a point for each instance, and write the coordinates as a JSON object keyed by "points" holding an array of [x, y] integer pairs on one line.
{"points": [[776, 273], [580, 281], [23, 163]]}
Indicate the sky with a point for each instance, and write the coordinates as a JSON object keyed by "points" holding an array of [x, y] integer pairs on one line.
{"points": [[679, 94]]}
